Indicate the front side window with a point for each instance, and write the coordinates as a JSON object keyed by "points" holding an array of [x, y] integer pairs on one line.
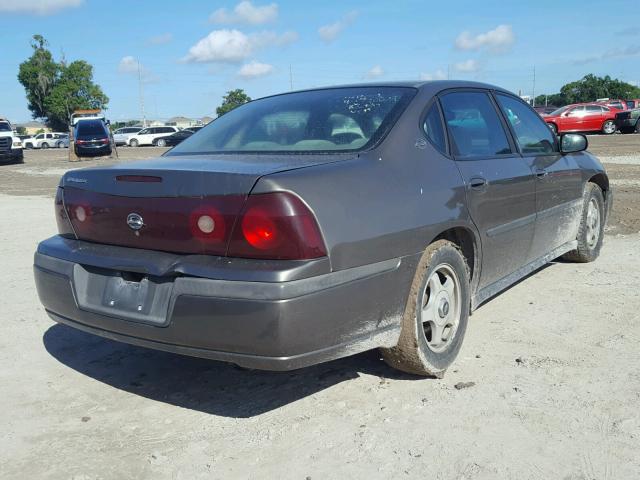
{"points": [[5, 127], [474, 127], [576, 112], [532, 134], [40, 136], [146, 131], [337, 119], [433, 128]]}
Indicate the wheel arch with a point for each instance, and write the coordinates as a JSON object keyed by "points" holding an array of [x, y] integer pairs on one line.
{"points": [[469, 243]]}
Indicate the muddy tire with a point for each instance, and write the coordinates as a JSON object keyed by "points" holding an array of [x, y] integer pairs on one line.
{"points": [[591, 231], [436, 314]]}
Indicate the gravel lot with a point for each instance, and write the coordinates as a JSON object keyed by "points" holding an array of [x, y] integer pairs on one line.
{"points": [[553, 361]]}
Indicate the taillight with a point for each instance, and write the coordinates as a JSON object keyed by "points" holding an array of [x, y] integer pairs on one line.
{"points": [[62, 218], [276, 226]]}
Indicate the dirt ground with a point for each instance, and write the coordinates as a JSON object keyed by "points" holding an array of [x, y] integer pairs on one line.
{"points": [[553, 361]]}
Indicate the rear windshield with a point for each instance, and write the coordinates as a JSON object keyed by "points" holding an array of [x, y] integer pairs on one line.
{"points": [[87, 127], [340, 119]]}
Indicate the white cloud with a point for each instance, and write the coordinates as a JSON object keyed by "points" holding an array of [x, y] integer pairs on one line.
{"points": [[374, 72], [161, 39], [467, 66], [625, 52], [438, 75], [38, 7], [230, 46], [233, 46], [246, 12], [128, 64], [329, 33], [255, 69], [497, 40]]}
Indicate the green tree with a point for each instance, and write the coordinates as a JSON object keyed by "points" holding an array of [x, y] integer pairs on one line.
{"points": [[590, 87], [55, 89], [38, 75], [73, 90], [233, 99]]}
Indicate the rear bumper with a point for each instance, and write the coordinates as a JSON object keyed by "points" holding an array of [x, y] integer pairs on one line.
{"points": [[235, 316], [83, 151]]}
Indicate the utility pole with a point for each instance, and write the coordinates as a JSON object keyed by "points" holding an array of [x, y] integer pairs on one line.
{"points": [[290, 78], [533, 90], [141, 93]]}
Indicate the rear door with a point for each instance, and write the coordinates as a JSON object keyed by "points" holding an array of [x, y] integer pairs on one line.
{"points": [[558, 178], [593, 118], [499, 183]]}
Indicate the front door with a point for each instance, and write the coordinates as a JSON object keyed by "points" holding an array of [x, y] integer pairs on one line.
{"points": [[558, 178], [500, 185]]}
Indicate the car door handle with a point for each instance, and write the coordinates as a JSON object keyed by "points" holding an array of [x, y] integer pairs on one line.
{"points": [[541, 172], [478, 183]]}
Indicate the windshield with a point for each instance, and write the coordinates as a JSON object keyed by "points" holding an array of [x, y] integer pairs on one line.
{"points": [[5, 127], [339, 119], [558, 111]]}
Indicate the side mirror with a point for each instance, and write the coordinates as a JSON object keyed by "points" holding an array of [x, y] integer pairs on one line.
{"points": [[573, 142]]}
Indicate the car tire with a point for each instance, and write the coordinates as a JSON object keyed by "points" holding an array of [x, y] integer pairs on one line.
{"points": [[44, 145], [434, 305], [553, 128], [28, 146], [609, 127], [161, 143], [591, 230], [133, 142]]}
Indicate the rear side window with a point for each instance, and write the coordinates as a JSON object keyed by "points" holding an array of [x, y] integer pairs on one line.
{"points": [[531, 132], [474, 126], [433, 128]]}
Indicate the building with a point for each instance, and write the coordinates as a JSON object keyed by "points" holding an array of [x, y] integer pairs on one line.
{"points": [[181, 122], [33, 127]]}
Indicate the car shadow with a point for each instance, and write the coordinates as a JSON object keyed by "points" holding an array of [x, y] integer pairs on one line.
{"points": [[199, 384]]}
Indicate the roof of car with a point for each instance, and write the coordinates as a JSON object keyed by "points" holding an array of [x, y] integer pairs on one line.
{"points": [[419, 84]]}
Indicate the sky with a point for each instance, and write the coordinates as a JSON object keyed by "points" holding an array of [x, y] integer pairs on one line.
{"points": [[191, 52]]}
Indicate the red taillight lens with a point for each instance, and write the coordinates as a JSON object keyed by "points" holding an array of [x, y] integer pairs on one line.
{"points": [[62, 218], [276, 226], [80, 142]]}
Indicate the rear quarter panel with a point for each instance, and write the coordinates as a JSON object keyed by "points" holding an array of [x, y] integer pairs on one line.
{"points": [[386, 203]]}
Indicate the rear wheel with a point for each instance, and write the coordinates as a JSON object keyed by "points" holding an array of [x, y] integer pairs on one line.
{"points": [[435, 318], [161, 142], [44, 145], [609, 127], [591, 231], [133, 142]]}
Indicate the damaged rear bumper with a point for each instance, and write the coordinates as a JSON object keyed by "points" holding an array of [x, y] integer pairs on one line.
{"points": [[257, 314]]}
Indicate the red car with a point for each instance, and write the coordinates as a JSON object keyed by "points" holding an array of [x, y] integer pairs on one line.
{"points": [[587, 117], [617, 104], [631, 104]]}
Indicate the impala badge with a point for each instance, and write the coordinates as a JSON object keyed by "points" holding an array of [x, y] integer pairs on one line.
{"points": [[135, 221]]}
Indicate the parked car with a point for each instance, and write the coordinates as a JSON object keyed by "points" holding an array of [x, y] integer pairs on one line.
{"points": [[147, 136], [91, 138], [588, 117], [43, 140], [122, 135], [176, 138], [617, 104], [631, 104], [542, 111], [628, 121], [62, 141], [10, 144], [313, 225]]}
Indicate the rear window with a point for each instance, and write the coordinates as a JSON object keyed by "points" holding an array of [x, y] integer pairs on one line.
{"points": [[86, 127], [340, 119]]}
